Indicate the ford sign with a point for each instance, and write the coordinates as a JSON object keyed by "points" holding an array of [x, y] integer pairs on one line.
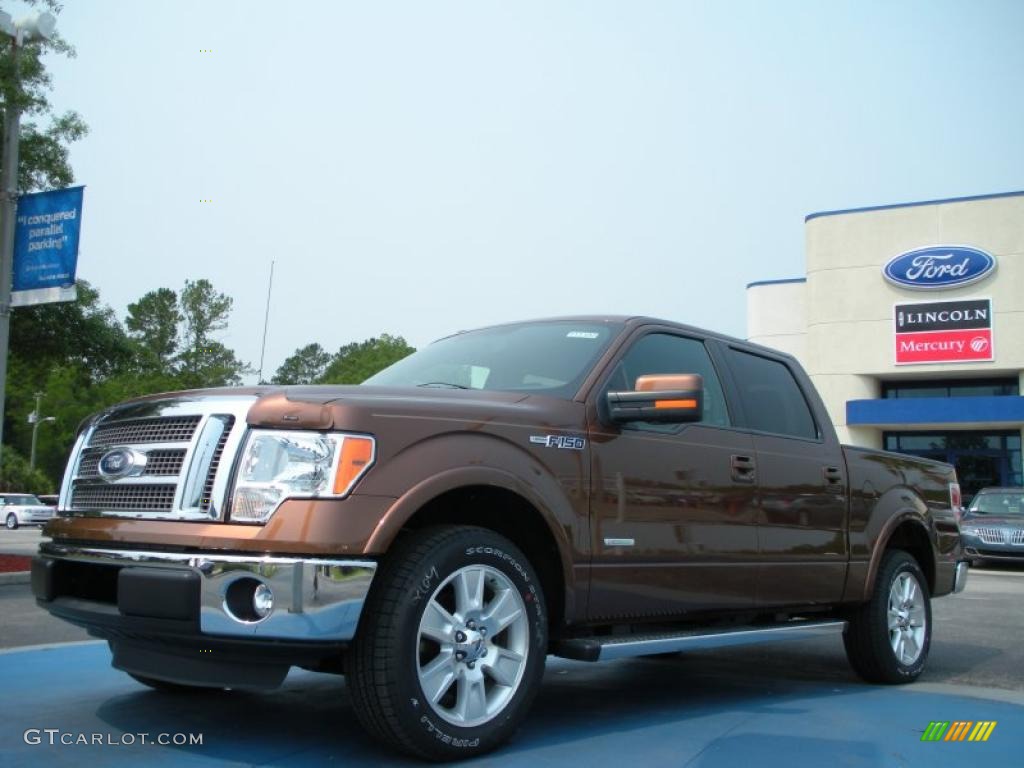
{"points": [[938, 267]]}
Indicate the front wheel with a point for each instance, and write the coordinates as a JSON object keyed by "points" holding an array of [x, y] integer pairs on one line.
{"points": [[11, 522], [888, 637], [451, 645]]}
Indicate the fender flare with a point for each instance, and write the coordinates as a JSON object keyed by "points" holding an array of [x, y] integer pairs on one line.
{"points": [[885, 536], [430, 488]]}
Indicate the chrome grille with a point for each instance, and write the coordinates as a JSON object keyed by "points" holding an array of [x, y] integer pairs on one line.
{"points": [[139, 498], [189, 444], [159, 462], [165, 430], [992, 535], [1017, 537], [211, 475], [164, 462]]}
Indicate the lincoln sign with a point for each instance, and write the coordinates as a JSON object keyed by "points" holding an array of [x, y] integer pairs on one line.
{"points": [[944, 332]]}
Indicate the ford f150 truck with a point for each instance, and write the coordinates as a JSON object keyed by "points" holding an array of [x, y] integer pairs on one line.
{"points": [[589, 487]]}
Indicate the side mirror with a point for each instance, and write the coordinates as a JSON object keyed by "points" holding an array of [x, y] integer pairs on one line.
{"points": [[667, 398]]}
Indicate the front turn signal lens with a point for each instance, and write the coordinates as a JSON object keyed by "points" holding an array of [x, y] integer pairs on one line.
{"points": [[356, 457]]}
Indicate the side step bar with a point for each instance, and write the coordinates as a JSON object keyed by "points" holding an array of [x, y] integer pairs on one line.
{"points": [[624, 646]]}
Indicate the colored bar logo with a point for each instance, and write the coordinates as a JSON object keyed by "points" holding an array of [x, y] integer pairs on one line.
{"points": [[958, 730]]}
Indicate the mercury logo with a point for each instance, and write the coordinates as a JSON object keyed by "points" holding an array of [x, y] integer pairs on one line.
{"points": [[979, 344]]}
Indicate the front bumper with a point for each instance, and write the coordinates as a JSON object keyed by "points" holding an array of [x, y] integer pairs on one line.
{"points": [[33, 518], [189, 617], [977, 547], [314, 599]]}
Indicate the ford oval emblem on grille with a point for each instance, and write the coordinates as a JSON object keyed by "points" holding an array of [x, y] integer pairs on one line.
{"points": [[121, 462], [938, 267]]}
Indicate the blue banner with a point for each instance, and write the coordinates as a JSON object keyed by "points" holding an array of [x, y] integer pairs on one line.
{"points": [[46, 246]]}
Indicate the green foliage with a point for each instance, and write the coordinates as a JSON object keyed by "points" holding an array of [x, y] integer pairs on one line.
{"points": [[354, 363], [205, 362], [44, 155], [306, 366], [152, 324], [18, 478]]}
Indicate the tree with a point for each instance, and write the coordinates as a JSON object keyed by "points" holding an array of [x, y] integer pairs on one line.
{"points": [[153, 323], [306, 366], [205, 362], [44, 151], [354, 363]]}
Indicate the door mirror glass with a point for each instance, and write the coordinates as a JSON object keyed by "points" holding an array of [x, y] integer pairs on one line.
{"points": [[667, 398]]}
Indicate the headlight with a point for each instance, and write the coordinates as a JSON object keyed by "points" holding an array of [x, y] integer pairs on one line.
{"points": [[278, 465], [968, 530]]}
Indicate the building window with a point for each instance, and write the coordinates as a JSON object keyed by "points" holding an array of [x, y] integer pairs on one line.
{"points": [[981, 458], [951, 388]]}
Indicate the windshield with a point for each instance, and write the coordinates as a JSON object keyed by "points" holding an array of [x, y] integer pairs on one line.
{"points": [[548, 357], [23, 501], [1008, 503]]}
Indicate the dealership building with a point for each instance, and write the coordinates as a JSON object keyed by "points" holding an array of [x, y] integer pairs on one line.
{"points": [[910, 321]]}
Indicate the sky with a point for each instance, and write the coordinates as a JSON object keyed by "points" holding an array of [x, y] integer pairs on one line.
{"points": [[416, 168]]}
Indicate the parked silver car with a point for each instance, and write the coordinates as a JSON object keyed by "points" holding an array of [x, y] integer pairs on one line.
{"points": [[993, 526], [23, 509]]}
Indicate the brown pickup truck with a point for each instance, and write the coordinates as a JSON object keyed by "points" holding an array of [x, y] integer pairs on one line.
{"points": [[589, 487]]}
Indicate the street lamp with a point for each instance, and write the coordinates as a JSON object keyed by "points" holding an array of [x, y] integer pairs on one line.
{"points": [[38, 26], [35, 421]]}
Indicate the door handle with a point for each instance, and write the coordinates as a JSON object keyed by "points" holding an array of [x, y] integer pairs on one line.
{"points": [[833, 478], [744, 468]]}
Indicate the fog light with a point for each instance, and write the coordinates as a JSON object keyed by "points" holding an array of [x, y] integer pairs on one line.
{"points": [[262, 601]]}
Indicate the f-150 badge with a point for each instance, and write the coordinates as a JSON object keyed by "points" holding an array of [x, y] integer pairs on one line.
{"points": [[559, 441]]}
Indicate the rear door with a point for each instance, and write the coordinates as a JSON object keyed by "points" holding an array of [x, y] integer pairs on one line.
{"points": [[801, 482]]}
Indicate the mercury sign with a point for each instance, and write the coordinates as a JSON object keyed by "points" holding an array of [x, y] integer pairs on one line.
{"points": [[938, 267], [944, 332], [46, 246]]}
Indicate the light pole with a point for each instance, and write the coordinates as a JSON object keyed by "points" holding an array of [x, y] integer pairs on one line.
{"points": [[35, 421], [38, 26]]}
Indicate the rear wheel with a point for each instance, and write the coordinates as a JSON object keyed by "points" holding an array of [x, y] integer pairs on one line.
{"points": [[451, 645], [888, 638], [11, 522]]}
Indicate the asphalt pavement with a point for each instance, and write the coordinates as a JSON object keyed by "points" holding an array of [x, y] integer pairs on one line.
{"points": [[779, 705]]}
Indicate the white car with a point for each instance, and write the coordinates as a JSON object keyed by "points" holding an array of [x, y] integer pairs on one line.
{"points": [[23, 509]]}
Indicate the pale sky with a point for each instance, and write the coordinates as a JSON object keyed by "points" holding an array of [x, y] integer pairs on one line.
{"points": [[420, 167]]}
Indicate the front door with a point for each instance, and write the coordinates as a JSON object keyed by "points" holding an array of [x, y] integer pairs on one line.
{"points": [[673, 507]]}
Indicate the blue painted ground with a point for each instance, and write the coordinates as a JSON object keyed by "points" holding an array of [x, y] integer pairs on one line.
{"points": [[641, 712]]}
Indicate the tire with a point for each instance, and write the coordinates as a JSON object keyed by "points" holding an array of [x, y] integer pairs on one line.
{"points": [[11, 522], [888, 637], [451, 645]]}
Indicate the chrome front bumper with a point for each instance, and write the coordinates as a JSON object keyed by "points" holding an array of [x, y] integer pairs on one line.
{"points": [[314, 599]]}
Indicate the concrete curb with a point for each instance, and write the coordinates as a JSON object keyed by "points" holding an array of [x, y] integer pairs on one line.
{"points": [[15, 577]]}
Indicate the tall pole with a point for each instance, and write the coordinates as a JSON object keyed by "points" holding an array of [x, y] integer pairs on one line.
{"points": [[8, 212], [266, 321], [35, 431]]}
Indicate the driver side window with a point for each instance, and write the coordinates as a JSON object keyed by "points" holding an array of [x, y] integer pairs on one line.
{"points": [[665, 353]]}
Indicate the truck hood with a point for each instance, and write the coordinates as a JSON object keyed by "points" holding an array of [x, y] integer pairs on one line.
{"points": [[358, 407]]}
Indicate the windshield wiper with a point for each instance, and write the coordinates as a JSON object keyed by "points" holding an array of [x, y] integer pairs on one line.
{"points": [[441, 384]]}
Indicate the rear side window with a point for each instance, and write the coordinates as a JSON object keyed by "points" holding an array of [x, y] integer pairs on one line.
{"points": [[771, 397]]}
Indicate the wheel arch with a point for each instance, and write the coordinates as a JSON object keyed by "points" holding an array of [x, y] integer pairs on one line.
{"points": [[906, 531], [495, 500]]}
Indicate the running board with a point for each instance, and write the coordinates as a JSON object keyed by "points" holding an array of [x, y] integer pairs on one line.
{"points": [[624, 646]]}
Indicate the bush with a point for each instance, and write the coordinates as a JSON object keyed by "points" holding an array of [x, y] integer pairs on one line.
{"points": [[16, 477]]}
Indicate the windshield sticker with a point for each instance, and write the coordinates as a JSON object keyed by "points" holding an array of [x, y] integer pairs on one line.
{"points": [[582, 335], [559, 441]]}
